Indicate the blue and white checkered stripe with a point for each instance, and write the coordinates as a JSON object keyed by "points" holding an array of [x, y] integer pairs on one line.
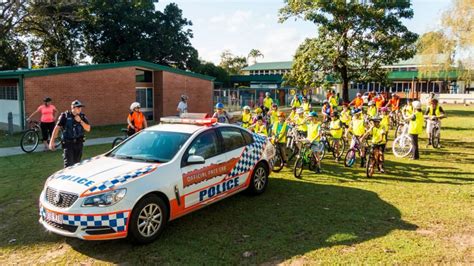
{"points": [[251, 155], [117, 221], [122, 178]]}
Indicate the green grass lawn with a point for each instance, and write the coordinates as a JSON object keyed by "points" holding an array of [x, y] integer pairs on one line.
{"points": [[419, 212]]}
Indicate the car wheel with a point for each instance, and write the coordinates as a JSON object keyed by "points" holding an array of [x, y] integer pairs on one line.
{"points": [[259, 180], [149, 218]]}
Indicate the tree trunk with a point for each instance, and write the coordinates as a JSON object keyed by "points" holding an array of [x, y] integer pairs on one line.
{"points": [[345, 85]]}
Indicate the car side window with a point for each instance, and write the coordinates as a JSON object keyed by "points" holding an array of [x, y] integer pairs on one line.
{"points": [[247, 136], [232, 138], [205, 145]]}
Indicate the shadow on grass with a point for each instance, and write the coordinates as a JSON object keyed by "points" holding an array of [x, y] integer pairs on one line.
{"points": [[461, 113], [291, 218]]}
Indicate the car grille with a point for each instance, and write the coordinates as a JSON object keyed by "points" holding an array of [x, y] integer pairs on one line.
{"points": [[65, 199], [64, 227]]}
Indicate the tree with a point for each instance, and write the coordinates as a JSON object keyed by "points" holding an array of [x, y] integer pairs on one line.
{"points": [[54, 29], [354, 39], [254, 54], [129, 30], [12, 48], [451, 48], [208, 68], [231, 63]]}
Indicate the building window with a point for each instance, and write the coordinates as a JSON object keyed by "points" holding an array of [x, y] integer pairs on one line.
{"points": [[8, 93], [143, 75], [144, 96]]}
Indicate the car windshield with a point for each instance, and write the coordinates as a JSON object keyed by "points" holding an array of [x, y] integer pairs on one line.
{"points": [[151, 146]]}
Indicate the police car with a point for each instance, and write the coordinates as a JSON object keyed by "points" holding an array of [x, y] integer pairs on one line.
{"points": [[155, 176]]}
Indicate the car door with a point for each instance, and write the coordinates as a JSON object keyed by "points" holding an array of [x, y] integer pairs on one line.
{"points": [[199, 178], [239, 152]]}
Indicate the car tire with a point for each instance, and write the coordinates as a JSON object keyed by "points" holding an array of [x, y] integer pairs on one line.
{"points": [[259, 180], [144, 231]]}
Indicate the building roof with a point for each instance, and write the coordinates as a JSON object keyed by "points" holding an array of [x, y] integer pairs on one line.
{"points": [[269, 66], [417, 60], [256, 78], [82, 68]]}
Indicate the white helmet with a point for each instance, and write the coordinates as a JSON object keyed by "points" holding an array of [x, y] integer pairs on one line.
{"points": [[246, 107], [371, 103], [300, 110], [134, 105], [267, 94], [358, 94], [416, 105]]}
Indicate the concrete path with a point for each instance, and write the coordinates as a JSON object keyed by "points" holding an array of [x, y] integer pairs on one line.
{"points": [[17, 150]]}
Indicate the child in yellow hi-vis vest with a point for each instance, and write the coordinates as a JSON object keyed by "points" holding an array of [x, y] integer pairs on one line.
{"points": [[378, 140], [259, 127], [246, 117], [336, 129]]}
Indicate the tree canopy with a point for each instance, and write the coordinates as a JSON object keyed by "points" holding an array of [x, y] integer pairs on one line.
{"points": [[354, 40], [232, 63]]}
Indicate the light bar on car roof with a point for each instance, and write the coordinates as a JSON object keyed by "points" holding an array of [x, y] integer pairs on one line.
{"points": [[189, 121]]}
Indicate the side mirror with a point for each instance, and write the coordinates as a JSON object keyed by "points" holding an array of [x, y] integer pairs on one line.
{"points": [[195, 159]]}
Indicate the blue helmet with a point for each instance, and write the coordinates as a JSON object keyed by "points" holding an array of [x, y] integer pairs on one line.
{"points": [[313, 114], [220, 106], [355, 111]]}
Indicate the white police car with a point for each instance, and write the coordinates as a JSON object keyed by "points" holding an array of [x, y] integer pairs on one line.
{"points": [[159, 174]]}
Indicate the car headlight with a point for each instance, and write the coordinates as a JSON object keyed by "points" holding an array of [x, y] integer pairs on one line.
{"points": [[105, 199]]}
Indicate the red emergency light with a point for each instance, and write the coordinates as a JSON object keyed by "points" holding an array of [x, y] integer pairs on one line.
{"points": [[189, 121]]}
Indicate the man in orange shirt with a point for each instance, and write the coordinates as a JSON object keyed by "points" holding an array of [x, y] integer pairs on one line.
{"points": [[136, 119], [394, 102], [358, 102], [379, 101]]}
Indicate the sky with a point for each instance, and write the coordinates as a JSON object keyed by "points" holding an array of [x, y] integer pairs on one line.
{"points": [[242, 25]]}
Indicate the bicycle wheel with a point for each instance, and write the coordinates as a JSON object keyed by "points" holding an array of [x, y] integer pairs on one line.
{"points": [[435, 136], [402, 146], [338, 147], [277, 163], [59, 139], [323, 148], [370, 166], [298, 168], [29, 140], [350, 158], [117, 141]]}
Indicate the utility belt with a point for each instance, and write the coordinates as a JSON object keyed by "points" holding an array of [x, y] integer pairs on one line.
{"points": [[70, 141]]}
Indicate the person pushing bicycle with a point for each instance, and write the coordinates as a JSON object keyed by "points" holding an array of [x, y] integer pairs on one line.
{"points": [[357, 127], [136, 119], [434, 113], [279, 132], [314, 136], [378, 141], [48, 116]]}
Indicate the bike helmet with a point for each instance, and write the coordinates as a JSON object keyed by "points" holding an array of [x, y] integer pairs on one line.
{"points": [[325, 101], [47, 100], [184, 97], [416, 104], [258, 110], [246, 107], [375, 119], [371, 103], [274, 105], [313, 114], [267, 94], [134, 105], [358, 94], [300, 110], [384, 109], [356, 111], [219, 106]]}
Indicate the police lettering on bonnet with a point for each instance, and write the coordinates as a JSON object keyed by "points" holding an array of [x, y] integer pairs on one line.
{"points": [[73, 124]]}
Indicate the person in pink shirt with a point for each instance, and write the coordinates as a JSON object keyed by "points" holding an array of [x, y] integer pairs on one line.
{"points": [[48, 116]]}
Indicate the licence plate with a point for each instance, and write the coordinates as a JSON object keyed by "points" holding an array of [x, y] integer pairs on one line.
{"points": [[54, 217]]}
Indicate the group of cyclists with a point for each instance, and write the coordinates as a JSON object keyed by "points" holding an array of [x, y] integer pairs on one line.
{"points": [[338, 124]]}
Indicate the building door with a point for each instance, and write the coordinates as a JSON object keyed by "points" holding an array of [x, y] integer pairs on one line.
{"points": [[145, 97]]}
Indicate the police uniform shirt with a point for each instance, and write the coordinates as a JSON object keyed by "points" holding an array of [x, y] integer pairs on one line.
{"points": [[62, 122]]}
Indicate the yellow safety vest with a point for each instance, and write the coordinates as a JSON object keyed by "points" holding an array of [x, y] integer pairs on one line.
{"points": [[305, 107], [313, 129], [333, 101], [372, 111], [281, 135], [267, 102], [416, 126], [408, 110], [336, 129], [246, 120], [437, 111], [384, 122], [274, 117], [260, 129], [378, 135], [296, 103], [346, 117], [292, 115], [358, 127], [302, 126]]}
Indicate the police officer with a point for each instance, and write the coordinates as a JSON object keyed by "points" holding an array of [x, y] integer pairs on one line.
{"points": [[73, 124]]}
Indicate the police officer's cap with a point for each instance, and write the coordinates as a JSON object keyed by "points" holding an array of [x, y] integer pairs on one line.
{"points": [[77, 103]]}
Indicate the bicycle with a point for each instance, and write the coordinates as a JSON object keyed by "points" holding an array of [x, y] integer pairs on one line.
{"points": [[395, 119], [292, 137], [373, 153], [31, 137], [335, 146], [278, 162], [350, 157], [119, 140], [306, 156], [402, 146], [435, 131]]}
